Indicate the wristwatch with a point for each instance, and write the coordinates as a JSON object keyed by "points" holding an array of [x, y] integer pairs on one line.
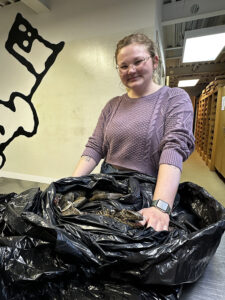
{"points": [[162, 205]]}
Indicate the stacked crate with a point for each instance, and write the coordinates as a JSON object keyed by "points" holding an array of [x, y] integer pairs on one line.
{"points": [[206, 123]]}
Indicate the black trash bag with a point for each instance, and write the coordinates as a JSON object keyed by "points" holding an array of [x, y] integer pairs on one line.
{"points": [[79, 239]]}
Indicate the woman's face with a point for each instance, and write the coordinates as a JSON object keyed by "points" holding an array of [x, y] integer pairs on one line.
{"points": [[136, 67]]}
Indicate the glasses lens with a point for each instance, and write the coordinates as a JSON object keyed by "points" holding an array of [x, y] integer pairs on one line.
{"points": [[136, 64]]}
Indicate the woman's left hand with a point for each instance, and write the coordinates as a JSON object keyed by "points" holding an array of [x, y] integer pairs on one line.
{"points": [[153, 217]]}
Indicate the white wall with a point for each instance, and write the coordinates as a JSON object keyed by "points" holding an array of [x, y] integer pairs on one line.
{"points": [[80, 82]]}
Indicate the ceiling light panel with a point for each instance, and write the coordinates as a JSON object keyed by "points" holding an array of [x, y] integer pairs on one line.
{"points": [[203, 44], [188, 82]]}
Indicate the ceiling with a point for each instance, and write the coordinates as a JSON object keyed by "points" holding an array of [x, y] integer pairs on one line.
{"points": [[179, 16]]}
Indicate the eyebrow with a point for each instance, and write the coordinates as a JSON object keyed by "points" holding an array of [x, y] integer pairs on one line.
{"points": [[136, 58]]}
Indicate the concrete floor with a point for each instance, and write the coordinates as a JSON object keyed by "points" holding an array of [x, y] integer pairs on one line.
{"points": [[9, 185], [194, 170]]}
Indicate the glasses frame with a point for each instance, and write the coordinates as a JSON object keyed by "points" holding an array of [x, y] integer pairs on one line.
{"points": [[139, 63]]}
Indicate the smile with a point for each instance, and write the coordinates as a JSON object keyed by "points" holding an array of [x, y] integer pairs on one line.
{"points": [[133, 78]]}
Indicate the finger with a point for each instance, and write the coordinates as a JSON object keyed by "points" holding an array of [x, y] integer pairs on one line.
{"points": [[155, 226], [158, 229], [143, 222], [150, 224], [161, 227]]}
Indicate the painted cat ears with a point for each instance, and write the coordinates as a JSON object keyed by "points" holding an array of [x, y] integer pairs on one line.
{"points": [[21, 40], [23, 35]]}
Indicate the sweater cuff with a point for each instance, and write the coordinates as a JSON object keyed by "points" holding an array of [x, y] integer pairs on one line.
{"points": [[171, 157], [93, 154]]}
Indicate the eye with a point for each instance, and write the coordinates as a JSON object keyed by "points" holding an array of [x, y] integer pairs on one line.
{"points": [[123, 67], [138, 62]]}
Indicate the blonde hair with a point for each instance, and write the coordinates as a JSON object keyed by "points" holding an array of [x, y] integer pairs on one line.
{"points": [[136, 38]]}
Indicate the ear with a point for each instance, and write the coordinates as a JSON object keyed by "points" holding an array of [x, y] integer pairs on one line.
{"points": [[155, 62]]}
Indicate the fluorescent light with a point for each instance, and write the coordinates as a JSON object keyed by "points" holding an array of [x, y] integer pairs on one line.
{"points": [[168, 80], [189, 82], [203, 44]]}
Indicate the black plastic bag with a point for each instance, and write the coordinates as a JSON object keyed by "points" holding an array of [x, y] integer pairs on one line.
{"points": [[79, 240]]}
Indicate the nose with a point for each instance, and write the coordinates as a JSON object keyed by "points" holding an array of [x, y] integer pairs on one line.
{"points": [[131, 68]]}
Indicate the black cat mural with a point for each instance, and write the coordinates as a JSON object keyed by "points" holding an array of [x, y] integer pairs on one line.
{"points": [[22, 37]]}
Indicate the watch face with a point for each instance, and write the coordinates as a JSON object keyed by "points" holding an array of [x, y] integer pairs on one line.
{"points": [[162, 205]]}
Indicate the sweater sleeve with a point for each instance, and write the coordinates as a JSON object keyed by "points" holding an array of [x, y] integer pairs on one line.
{"points": [[178, 141], [94, 147]]}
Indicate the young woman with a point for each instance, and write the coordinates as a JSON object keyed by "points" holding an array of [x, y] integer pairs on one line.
{"points": [[148, 129]]}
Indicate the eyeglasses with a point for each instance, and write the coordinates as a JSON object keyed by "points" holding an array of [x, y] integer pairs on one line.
{"points": [[137, 64]]}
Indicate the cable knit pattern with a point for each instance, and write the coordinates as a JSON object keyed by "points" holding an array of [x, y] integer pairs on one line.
{"points": [[141, 133]]}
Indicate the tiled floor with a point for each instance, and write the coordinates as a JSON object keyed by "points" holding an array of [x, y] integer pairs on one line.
{"points": [[194, 170]]}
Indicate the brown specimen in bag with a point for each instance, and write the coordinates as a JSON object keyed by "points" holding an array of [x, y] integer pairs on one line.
{"points": [[102, 195], [68, 204]]}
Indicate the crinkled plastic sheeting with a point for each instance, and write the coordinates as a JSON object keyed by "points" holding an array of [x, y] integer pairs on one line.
{"points": [[79, 239]]}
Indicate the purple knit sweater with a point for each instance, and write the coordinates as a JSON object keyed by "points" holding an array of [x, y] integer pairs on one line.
{"points": [[142, 133]]}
